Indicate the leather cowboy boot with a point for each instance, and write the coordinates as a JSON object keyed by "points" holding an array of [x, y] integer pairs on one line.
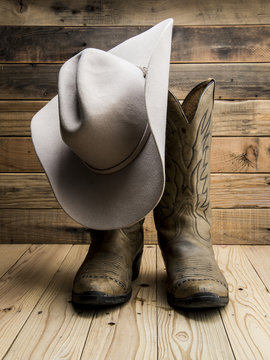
{"points": [[112, 262], [183, 216]]}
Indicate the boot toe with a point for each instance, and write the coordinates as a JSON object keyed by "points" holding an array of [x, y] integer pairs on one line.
{"points": [[198, 293], [99, 290]]}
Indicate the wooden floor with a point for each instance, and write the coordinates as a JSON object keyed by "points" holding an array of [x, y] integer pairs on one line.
{"points": [[38, 321]]}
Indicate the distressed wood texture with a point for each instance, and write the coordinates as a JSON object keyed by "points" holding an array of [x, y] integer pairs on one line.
{"points": [[133, 12], [10, 254], [22, 287], [259, 257], [45, 335], [229, 154], [246, 317], [230, 226], [228, 41], [230, 118], [25, 190], [233, 81], [197, 44], [37, 320]]}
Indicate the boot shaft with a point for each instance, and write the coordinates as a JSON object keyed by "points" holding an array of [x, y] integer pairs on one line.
{"points": [[185, 203], [129, 238]]}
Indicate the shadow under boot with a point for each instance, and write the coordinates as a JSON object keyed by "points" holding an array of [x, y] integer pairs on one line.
{"points": [[183, 216]]}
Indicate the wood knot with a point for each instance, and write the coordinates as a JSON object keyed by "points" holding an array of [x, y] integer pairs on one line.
{"points": [[182, 336]]}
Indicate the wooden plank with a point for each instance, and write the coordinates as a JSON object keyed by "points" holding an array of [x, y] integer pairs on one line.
{"points": [[22, 287], [133, 323], [18, 155], [246, 317], [54, 330], [230, 118], [39, 226], [229, 154], [25, 190], [240, 190], [240, 154], [230, 226], [201, 44], [184, 334], [241, 226], [234, 81], [9, 255], [121, 12], [259, 257], [15, 116], [240, 118]]}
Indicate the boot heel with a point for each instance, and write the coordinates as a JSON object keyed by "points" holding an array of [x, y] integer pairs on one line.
{"points": [[136, 265]]}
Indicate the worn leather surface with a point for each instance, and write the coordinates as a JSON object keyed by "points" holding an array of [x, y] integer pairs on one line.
{"points": [[183, 216], [107, 267]]}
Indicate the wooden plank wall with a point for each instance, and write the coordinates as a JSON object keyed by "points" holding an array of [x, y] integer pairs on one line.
{"points": [[227, 40]]}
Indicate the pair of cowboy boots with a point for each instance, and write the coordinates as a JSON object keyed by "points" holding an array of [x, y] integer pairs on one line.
{"points": [[182, 219]]}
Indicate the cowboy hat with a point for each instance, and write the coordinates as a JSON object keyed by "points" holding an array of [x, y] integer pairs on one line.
{"points": [[101, 140]]}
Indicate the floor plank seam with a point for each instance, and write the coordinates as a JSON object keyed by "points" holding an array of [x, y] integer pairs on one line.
{"points": [[229, 340], [16, 260], [88, 332], [38, 300], [256, 271]]}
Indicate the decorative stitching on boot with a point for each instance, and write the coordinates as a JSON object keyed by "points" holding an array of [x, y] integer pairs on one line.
{"points": [[182, 282], [119, 282]]}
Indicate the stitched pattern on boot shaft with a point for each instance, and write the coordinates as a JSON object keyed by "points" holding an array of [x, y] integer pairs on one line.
{"points": [[187, 172]]}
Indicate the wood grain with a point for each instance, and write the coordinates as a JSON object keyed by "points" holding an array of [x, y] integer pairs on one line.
{"points": [[135, 322], [15, 116], [230, 118], [246, 317], [25, 190], [38, 226], [229, 226], [241, 118], [240, 154], [228, 154], [197, 44], [52, 331], [259, 258], [188, 334], [133, 12], [9, 255], [233, 81], [241, 226], [23, 285], [240, 190]]}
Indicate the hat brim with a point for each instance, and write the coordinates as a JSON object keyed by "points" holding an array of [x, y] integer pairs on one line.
{"points": [[120, 199]]}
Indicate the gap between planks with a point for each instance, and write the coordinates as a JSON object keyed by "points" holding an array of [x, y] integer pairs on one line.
{"points": [[50, 325]]}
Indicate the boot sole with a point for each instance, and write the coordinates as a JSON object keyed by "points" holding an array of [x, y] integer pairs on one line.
{"points": [[198, 301], [97, 298]]}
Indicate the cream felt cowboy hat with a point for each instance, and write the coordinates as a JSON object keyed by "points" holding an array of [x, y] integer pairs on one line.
{"points": [[101, 141]]}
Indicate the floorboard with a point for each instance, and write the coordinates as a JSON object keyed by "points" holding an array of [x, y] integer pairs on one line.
{"points": [[10, 253], [22, 286], [246, 317], [38, 321], [54, 330]]}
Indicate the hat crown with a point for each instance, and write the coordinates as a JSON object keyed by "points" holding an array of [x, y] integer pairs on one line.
{"points": [[103, 116]]}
